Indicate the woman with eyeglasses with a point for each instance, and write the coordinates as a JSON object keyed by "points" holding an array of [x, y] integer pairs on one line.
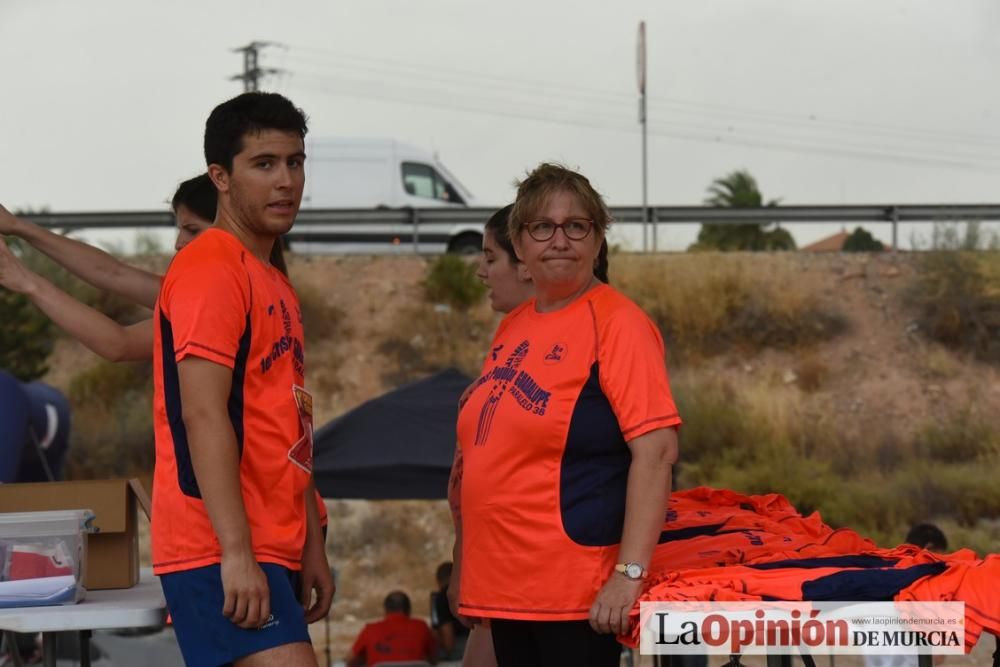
{"points": [[568, 439]]}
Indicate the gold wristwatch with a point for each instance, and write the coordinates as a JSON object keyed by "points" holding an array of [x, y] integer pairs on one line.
{"points": [[632, 571]]}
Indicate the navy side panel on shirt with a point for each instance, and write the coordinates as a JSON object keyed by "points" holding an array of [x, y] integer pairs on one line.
{"points": [[594, 470], [828, 561], [186, 479], [867, 585], [175, 417]]}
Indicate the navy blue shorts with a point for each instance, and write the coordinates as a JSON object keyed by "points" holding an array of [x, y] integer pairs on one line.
{"points": [[209, 639]]}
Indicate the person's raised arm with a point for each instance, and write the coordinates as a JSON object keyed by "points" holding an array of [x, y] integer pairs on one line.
{"points": [[101, 334], [90, 264], [204, 388]]}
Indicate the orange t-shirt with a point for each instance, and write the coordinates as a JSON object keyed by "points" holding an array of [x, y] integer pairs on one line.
{"points": [[543, 433], [218, 302], [397, 637]]}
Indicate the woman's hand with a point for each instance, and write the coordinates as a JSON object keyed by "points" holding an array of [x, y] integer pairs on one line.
{"points": [[614, 602]]}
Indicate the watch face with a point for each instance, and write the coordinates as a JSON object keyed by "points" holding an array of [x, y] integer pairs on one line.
{"points": [[633, 571]]}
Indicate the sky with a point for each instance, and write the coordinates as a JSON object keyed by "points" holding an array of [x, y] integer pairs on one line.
{"points": [[103, 102]]}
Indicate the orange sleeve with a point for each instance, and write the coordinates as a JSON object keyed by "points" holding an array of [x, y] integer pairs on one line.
{"points": [[633, 373], [207, 300]]}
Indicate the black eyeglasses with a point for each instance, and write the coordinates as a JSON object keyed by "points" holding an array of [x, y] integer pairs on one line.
{"points": [[575, 229]]}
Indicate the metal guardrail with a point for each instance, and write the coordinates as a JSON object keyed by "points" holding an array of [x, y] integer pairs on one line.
{"points": [[628, 214], [421, 222]]}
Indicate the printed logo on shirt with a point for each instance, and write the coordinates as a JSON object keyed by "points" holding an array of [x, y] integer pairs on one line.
{"points": [[286, 318], [279, 348], [556, 354], [496, 351], [507, 379], [284, 344]]}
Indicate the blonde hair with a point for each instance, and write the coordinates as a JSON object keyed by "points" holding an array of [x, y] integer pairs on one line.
{"points": [[548, 178]]}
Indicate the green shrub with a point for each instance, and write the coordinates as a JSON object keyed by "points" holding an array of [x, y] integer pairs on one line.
{"points": [[957, 300], [452, 280], [961, 438], [112, 431], [26, 337], [861, 240]]}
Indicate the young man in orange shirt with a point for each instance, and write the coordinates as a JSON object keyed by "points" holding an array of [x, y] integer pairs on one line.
{"points": [[236, 535]]}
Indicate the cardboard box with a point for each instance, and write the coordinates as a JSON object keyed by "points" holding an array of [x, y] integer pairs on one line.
{"points": [[112, 552]]}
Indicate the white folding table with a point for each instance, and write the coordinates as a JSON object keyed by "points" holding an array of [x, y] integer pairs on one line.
{"points": [[141, 606]]}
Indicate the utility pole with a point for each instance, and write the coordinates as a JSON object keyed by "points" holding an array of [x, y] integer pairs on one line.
{"points": [[252, 72], [641, 75]]}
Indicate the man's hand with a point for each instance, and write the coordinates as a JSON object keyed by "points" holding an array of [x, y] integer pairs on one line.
{"points": [[248, 598], [13, 274], [316, 576], [8, 222], [610, 611]]}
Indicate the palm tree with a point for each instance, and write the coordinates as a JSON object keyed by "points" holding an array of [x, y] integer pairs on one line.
{"points": [[739, 189]]}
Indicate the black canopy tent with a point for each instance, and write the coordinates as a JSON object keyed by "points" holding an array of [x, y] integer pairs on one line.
{"points": [[397, 446]]}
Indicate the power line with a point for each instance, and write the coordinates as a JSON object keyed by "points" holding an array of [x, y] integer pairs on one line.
{"points": [[368, 90], [538, 111], [480, 79]]}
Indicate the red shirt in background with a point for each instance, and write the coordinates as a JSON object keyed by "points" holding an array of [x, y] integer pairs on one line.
{"points": [[397, 637]]}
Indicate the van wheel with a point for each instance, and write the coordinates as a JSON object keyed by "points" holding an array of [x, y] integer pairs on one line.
{"points": [[468, 243]]}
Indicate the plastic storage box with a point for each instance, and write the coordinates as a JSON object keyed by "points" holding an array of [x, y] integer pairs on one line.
{"points": [[43, 556]]}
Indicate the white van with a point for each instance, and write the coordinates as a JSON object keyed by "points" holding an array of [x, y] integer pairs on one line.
{"points": [[367, 174], [377, 173]]}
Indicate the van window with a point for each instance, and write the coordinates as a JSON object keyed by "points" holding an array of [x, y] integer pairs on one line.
{"points": [[422, 180]]}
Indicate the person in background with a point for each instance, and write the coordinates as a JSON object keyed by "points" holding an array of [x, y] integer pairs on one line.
{"points": [[396, 638], [451, 635], [34, 431], [926, 536], [194, 207]]}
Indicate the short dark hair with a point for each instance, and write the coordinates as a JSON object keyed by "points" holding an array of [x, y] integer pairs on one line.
{"points": [[927, 536], [397, 602], [198, 195], [245, 114]]}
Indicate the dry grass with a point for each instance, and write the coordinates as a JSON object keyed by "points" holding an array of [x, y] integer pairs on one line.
{"points": [[428, 338], [811, 371], [707, 303], [761, 437]]}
